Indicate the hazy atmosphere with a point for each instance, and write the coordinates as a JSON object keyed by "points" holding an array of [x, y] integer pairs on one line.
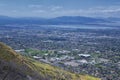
{"points": [[54, 8], [59, 39]]}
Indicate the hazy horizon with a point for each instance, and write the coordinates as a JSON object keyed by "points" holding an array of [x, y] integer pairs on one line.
{"points": [[56, 8]]}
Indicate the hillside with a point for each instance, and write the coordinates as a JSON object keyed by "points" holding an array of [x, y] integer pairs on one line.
{"points": [[16, 67]]}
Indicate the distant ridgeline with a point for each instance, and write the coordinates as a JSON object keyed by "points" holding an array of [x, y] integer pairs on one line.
{"points": [[70, 20]]}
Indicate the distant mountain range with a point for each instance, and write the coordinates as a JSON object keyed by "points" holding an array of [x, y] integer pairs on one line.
{"points": [[64, 20], [57, 20]]}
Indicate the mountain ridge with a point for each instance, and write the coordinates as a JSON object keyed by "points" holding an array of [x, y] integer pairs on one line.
{"points": [[53, 21], [13, 66]]}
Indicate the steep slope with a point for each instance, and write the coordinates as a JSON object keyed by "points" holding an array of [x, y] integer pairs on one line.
{"points": [[16, 67]]}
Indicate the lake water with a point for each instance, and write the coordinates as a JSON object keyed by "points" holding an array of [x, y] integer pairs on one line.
{"points": [[81, 26]]}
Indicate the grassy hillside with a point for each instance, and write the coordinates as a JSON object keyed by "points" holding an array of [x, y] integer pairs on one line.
{"points": [[24, 68]]}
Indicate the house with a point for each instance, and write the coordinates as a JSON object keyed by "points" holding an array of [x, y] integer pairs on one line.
{"points": [[84, 55]]}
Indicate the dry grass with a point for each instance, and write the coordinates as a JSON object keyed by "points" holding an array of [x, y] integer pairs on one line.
{"points": [[44, 70]]}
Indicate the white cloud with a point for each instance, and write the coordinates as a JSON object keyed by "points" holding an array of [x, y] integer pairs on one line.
{"points": [[38, 11], [54, 11], [54, 8], [34, 6], [105, 9], [93, 12], [14, 11]]}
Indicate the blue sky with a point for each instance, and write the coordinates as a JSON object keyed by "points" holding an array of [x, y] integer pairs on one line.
{"points": [[55, 8]]}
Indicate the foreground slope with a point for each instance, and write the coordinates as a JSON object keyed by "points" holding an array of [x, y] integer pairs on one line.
{"points": [[16, 67]]}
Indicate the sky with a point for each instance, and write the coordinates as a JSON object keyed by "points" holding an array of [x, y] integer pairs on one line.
{"points": [[55, 8]]}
